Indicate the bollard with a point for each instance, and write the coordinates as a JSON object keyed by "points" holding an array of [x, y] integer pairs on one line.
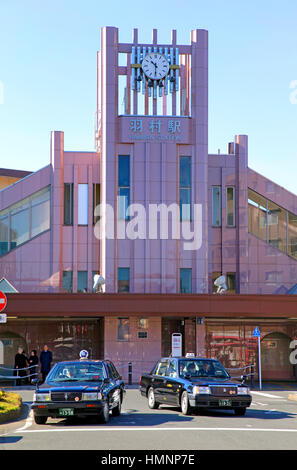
{"points": [[252, 375], [130, 373]]}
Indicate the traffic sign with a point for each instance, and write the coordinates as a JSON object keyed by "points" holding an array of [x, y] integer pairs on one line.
{"points": [[257, 333], [3, 301]]}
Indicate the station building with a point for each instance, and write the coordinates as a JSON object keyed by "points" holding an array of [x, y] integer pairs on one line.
{"points": [[159, 218]]}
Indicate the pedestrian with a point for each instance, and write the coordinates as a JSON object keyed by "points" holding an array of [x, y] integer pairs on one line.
{"points": [[20, 364], [46, 358], [33, 364]]}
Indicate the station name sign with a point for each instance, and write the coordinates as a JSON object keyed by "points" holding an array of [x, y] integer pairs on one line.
{"points": [[154, 129]]}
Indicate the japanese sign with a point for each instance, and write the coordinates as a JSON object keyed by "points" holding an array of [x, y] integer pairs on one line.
{"points": [[154, 129]]}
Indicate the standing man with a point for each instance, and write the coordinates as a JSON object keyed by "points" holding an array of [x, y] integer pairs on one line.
{"points": [[20, 364], [46, 358]]}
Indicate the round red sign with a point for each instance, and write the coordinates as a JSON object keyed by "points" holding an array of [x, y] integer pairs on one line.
{"points": [[3, 301]]}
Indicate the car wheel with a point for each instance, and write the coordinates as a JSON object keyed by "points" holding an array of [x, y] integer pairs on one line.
{"points": [[104, 414], [116, 411], [184, 404], [40, 419], [151, 399], [239, 411]]}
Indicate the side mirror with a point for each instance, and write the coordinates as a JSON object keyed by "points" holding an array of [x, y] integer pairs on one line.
{"points": [[35, 381]]}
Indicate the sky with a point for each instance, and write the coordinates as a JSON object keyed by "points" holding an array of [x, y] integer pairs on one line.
{"points": [[48, 73]]}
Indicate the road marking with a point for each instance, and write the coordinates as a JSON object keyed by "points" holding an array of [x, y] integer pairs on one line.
{"points": [[153, 429], [28, 422], [266, 395]]}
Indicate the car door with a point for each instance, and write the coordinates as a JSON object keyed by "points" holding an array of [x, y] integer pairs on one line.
{"points": [[172, 383], [158, 380]]}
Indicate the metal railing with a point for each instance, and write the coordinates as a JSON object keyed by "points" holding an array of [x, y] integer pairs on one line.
{"points": [[15, 376], [251, 374]]}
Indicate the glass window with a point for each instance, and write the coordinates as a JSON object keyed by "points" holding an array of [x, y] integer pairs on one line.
{"points": [[185, 280], [257, 207], [231, 282], [185, 187], [124, 170], [292, 234], [123, 329], [20, 224], [172, 369], [162, 368], [123, 279], [68, 203], [4, 235], [67, 281], [277, 226], [96, 201], [216, 206], [123, 186], [82, 281], [230, 206], [82, 217], [40, 213]]}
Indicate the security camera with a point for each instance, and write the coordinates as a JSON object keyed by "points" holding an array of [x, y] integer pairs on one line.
{"points": [[221, 285], [98, 283]]}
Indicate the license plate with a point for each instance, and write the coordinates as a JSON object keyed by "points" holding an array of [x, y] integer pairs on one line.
{"points": [[66, 411], [224, 402]]}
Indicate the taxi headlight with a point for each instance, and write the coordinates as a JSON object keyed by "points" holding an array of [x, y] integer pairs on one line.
{"points": [[91, 396], [201, 390], [41, 397], [242, 391]]}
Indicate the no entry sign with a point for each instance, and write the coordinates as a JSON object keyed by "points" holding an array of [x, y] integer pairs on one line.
{"points": [[3, 301]]}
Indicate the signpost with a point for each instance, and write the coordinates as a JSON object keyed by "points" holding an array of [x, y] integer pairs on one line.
{"points": [[176, 344], [257, 334]]}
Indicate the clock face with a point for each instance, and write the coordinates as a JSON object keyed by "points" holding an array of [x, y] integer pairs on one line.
{"points": [[155, 66]]}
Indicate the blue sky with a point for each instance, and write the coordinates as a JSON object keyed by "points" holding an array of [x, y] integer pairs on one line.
{"points": [[48, 73]]}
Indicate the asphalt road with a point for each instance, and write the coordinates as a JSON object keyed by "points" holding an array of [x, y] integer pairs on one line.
{"points": [[269, 424]]}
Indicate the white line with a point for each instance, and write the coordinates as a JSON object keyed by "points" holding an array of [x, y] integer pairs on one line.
{"points": [[153, 429], [266, 395], [28, 422]]}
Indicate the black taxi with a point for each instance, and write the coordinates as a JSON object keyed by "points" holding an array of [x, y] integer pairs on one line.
{"points": [[79, 388], [192, 383]]}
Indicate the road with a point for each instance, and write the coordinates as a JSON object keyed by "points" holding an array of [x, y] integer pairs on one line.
{"points": [[269, 424]]}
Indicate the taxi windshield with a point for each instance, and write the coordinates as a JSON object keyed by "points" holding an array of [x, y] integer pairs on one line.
{"points": [[80, 372], [199, 368]]}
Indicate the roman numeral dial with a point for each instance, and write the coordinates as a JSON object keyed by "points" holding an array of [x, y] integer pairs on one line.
{"points": [[155, 66]]}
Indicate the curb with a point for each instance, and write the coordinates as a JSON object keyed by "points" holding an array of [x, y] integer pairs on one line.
{"points": [[292, 396]]}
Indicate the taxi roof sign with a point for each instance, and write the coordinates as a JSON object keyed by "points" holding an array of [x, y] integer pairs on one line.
{"points": [[83, 354]]}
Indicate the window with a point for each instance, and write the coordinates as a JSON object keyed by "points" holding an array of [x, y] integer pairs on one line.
{"points": [[123, 329], [292, 234], [216, 206], [231, 282], [96, 201], [172, 369], [82, 281], [230, 206], [142, 334], [82, 204], [68, 203], [185, 187], [123, 279], [123, 186], [185, 280], [67, 281], [24, 220], [161, 369], [277, 226], [215, 276]]}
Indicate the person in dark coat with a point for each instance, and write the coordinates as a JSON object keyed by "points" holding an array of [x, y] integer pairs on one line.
{"points": [[20, 364], [46, 358], [33, 361]]}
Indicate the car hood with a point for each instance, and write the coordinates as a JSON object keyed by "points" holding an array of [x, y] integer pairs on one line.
{"points": [[213, 381], [70, 387]]}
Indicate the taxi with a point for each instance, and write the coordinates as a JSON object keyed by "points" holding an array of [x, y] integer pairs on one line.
{"points": [[194, 383], [79, 388]]}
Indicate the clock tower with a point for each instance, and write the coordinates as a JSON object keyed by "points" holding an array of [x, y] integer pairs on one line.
{"points": [[152, 140]]}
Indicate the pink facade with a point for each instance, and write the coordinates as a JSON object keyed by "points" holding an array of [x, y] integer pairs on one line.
{"points": [[155, 132]]}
